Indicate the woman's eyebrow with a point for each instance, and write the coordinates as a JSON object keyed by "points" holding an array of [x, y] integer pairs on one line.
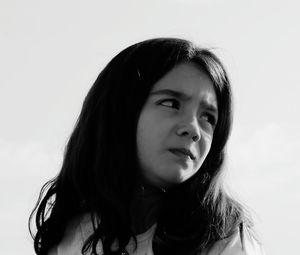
{"points": [[184, 97], [209, 106], [171, 92]]}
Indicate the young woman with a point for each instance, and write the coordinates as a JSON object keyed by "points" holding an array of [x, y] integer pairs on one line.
{"points": [[142, 169]]}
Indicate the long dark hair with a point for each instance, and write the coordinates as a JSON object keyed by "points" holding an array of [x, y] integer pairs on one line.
{"points": [[100, 169]]}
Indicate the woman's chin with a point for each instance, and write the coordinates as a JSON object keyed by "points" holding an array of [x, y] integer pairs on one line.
{"points": [[179, 176]]}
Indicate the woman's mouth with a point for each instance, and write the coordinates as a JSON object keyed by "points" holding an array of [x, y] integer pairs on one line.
{"points": [[183, 153]]}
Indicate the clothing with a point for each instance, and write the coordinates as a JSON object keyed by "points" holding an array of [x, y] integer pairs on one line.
{"points": [[240, 243]]}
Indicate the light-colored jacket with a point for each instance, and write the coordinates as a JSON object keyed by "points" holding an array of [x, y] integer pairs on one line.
{"points": [[77, 232]]}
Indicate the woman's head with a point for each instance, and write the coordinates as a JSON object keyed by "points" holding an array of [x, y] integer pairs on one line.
{"points": [[119, 137], [108, 142]]}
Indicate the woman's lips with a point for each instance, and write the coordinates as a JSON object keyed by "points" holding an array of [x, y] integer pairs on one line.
{"points": [[183, 153]]}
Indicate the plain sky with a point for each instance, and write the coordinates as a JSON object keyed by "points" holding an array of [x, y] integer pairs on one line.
{"points": [[52, 51]]}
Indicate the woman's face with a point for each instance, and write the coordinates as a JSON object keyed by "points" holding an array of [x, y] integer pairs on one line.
{"points": [[176, 126]]}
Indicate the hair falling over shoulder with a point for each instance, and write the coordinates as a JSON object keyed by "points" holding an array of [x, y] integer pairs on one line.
{"points": [[99, 168]]}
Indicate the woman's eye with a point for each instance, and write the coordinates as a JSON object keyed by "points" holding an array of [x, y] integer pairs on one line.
{"points": [[211, 119], [172, 103]]}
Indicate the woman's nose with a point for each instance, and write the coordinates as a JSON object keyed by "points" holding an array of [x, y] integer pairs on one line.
{"points": [[189, 129]]}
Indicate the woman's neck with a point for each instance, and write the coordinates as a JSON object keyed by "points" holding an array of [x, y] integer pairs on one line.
{"points": [[145, 206]]}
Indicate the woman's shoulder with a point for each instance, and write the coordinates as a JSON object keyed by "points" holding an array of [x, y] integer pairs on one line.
{"points": [[81, 228], [241, 242], [77, 232]]}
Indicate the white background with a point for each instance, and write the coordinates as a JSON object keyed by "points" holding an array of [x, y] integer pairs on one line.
{"points": [[52, 51]]}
